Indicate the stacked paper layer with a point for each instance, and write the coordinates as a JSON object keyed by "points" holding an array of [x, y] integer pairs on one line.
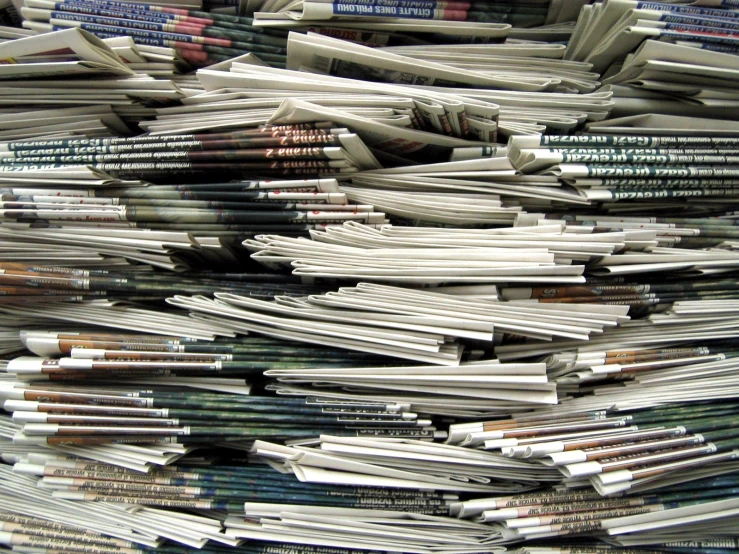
{"points": [[361, 229]]}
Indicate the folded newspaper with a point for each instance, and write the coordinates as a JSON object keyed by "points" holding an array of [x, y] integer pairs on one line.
{"points": [[344, 59], [71, 52]]}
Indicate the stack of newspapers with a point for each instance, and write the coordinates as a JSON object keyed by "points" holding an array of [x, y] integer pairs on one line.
{"points": [[631, 174], [198, 37], [84, 202], [464, 92], [43, 95], [364, 276], [663, 59]]}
